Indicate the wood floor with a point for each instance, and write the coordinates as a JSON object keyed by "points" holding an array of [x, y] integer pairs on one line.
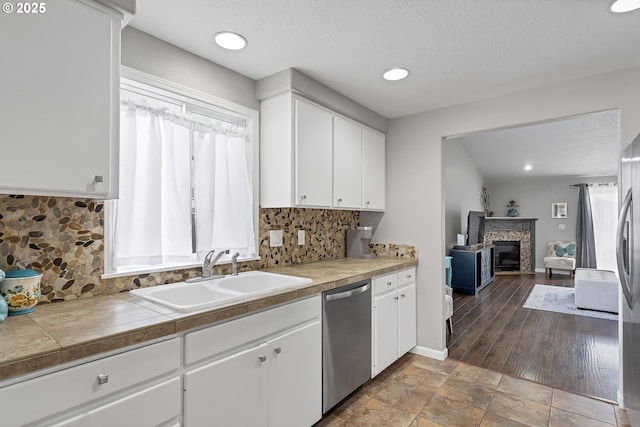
{"points": [[573, 353]]}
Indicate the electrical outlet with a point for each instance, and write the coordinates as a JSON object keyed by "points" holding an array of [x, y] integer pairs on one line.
{"points": [[275, 238], [560, 226], [301, 237]]}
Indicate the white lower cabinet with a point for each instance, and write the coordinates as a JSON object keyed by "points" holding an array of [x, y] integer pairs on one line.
{"points": [[295, 382], [394, 318], [261, 370], [137, 387], [153, 406], [228, 392]]}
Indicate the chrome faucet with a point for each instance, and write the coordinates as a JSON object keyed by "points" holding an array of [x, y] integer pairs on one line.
{"points": [[207, 264], [234, 264]]}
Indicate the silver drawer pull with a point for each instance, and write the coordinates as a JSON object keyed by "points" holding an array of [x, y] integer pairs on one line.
{"points": [[402, 295], [103, 379], [388, 283], [262, 358], [277, 350], [98, 178], [395, 298], [408, 276]]}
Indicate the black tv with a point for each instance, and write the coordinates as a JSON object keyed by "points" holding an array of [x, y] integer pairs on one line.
{"points": [[475, 227]]}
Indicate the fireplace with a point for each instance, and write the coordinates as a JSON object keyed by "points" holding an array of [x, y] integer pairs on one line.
{"points": [[507, 255], [513, 229]]}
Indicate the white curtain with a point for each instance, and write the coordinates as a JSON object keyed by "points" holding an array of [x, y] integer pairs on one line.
{"points": [[224, 221], [604, 207], [153, 214]]}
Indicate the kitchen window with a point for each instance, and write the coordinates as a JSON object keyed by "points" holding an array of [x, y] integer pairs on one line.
{"points": [[187, 177]]}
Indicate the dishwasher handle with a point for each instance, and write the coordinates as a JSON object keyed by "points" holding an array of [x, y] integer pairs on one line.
{"points": [[347, 294]]}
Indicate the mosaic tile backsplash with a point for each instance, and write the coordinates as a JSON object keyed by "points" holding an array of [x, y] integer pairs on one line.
{"points": [[63, 238]]}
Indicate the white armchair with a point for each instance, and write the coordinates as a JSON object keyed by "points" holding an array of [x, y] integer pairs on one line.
{"points": [[561, 256]]}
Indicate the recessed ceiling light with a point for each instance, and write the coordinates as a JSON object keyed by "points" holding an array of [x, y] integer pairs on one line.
{"points": [[229, 40], [396, 74], [528, 167], [621, 6]]}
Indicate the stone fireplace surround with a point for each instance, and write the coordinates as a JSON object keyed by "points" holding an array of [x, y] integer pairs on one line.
{"points": [[514, 229]]}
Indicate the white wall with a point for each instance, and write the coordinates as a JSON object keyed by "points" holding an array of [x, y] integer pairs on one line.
{"points": [[535, 197], [159, 58], [415, 208], [462, 186]]}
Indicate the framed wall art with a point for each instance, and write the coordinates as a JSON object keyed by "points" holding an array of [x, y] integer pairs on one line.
{"points": [[559, 210]]}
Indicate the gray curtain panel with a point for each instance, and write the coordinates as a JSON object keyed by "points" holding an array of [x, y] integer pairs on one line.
{"points": [[585, 242]]}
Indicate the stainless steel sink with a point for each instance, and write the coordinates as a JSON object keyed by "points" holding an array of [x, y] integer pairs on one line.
{"points": [[217, 292]]}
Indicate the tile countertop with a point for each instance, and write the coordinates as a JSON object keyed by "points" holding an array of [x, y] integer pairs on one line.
{"points": [[71, 330]]}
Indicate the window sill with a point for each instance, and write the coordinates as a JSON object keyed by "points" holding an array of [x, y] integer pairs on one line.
{"points": [[174, 267]]}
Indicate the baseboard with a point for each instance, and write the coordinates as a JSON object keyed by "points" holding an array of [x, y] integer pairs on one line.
{"points": [[429, 352]]}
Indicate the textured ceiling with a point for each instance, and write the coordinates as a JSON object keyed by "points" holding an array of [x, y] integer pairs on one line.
{"points": [[576, 147], [457, 50]]}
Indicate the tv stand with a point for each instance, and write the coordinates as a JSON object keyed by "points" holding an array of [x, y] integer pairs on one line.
{"points": [[473, 269]]}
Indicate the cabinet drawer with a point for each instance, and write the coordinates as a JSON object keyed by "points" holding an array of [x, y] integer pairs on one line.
{"points": [[406, 276], [246, 331], [386, 283], [71, 387], [152, 406]]}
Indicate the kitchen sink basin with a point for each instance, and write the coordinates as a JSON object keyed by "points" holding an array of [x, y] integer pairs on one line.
{"points": [[189, 296], [216, 292], [255, 282]]}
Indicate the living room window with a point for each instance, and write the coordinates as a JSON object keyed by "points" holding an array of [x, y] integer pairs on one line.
{"points": [[187, 180]]}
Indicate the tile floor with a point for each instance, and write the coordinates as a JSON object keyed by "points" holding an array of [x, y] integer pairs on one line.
{"points": [[420, 392]]}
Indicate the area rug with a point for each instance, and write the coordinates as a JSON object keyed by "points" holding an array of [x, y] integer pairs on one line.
{"points": [[560, 300]]}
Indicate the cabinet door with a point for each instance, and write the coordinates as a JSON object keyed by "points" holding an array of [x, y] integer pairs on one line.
{"points": [[373, 171], [58, 110], [385, 311], [313, 154], [406, 318], [347, 164], [228, 392], [295, 386]]}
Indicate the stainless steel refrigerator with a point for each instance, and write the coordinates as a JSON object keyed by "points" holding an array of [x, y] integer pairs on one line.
{"points": [[628, 257]]}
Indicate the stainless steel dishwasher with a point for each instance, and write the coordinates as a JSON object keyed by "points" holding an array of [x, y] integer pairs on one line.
{"points": [[346, 341]]}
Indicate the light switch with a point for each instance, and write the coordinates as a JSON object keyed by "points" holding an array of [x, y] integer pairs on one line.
{"points": [[275, 238], [301, 237], [560, 226]]}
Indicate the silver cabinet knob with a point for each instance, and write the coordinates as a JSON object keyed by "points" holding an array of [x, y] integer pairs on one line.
{"points": [[103, 379], [262, 358], [277, 350], [304, 197], [388, 283], [98, 178], [402, 295], [395, 298]]}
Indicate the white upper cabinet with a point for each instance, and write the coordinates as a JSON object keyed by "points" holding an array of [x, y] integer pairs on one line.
{"points": [[59, 103], [313, 133], [313, 157], [373, 170], [347, 164]]}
